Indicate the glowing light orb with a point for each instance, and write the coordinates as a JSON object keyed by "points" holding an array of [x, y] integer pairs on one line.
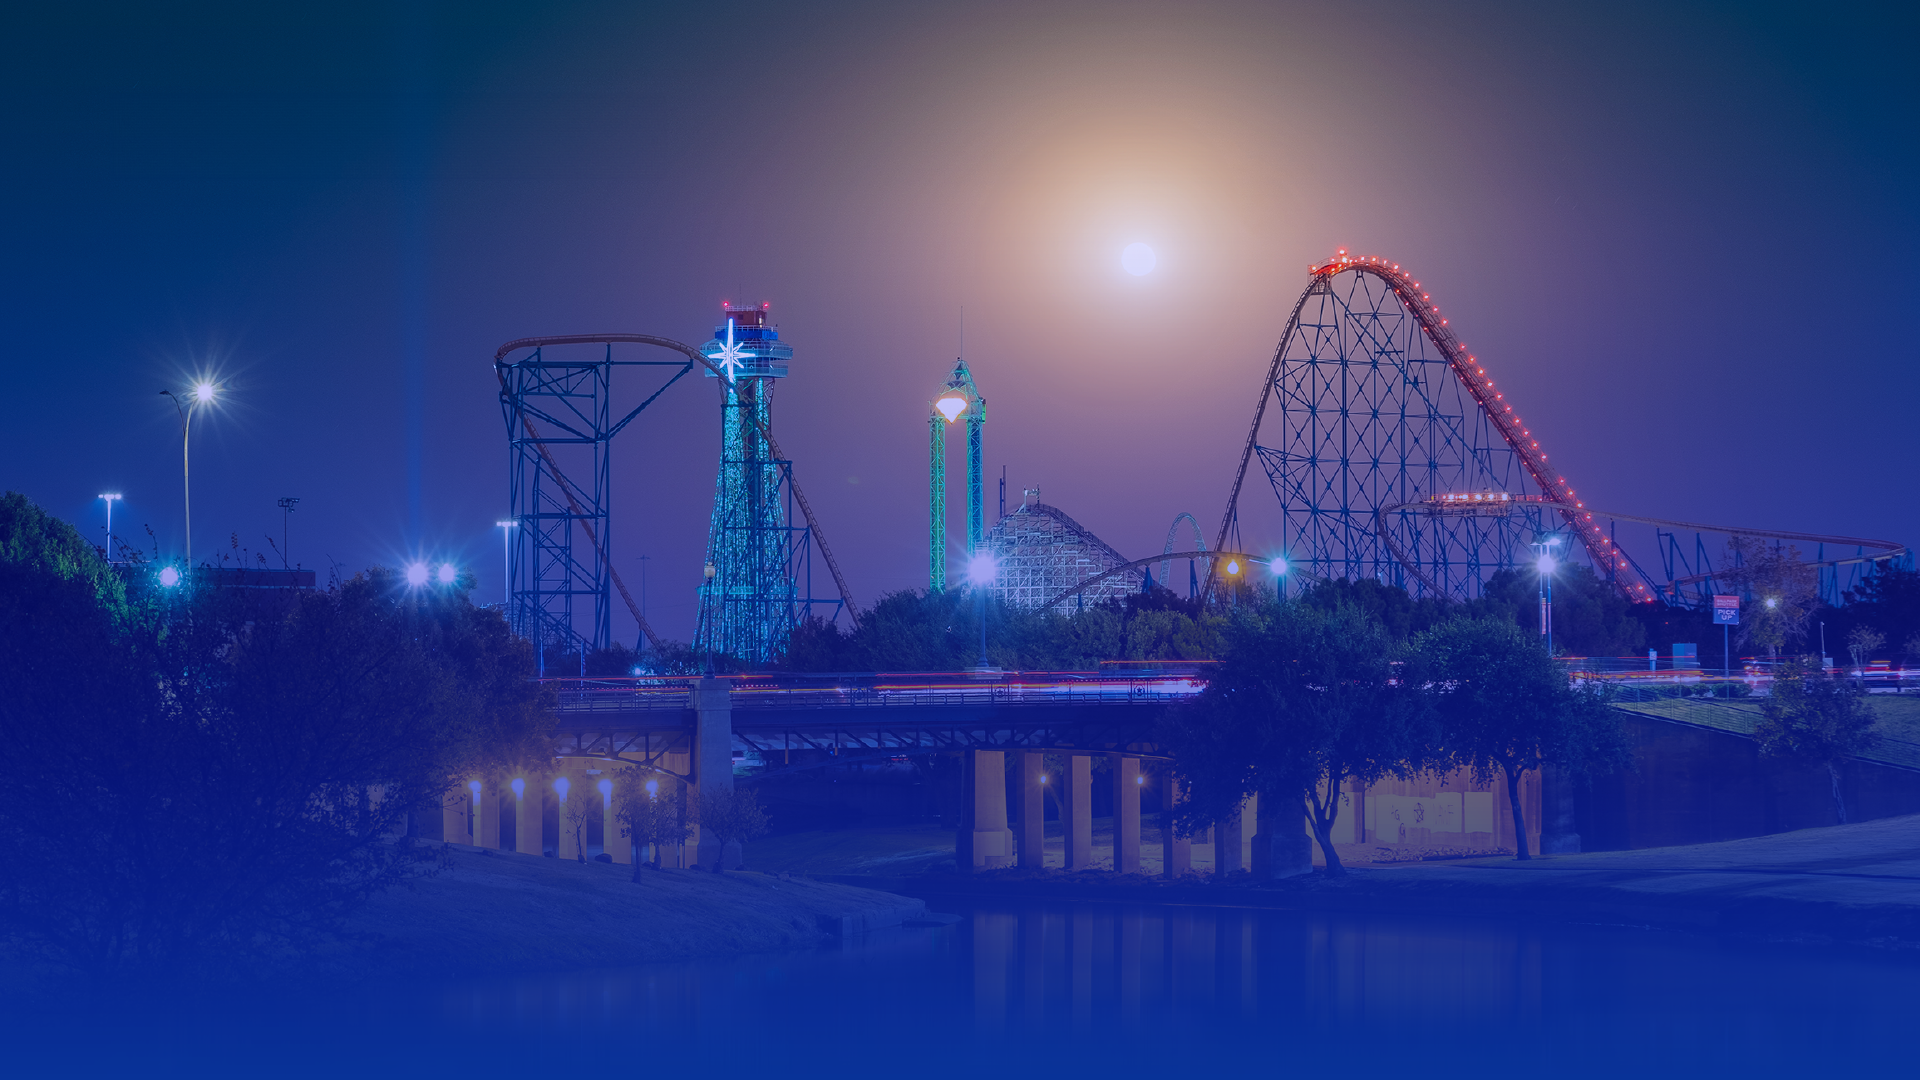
{"points": [[653, 788], [203, 392], [447, 573], [606, 788], [169, 577], [1547, 564], [519, 787], [1138, 259], [1233, 566], [981, 569], [951, 407], [561, 785], [1279, 566], [417, 574]]}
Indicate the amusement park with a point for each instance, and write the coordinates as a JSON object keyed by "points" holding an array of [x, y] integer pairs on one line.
{"points": [[1379, 450]]}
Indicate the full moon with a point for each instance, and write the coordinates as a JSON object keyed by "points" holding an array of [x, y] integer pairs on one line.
{"points": [[1138, 259]]}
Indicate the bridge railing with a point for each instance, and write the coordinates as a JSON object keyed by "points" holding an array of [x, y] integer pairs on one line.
{"points": [[884, 690]]}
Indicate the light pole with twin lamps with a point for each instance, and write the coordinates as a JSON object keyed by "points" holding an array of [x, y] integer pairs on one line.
{"points": [[1544, 548]]}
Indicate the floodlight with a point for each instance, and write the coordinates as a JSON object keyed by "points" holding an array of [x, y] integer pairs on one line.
{"points": [[203, 392], [606, 788], [951, 406], [1233, 566], [1278, 565], [561, 785], [417, 574], [447, 573], [169, 577], [1546, 564], [981, 569]]}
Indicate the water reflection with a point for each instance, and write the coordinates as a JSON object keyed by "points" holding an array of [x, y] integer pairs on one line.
{"points": [[1076, 987]]}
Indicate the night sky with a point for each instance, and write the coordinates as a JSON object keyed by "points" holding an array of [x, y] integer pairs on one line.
{"points": [[1681, 237]]}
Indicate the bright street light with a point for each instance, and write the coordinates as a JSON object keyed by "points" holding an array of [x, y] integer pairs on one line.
{"points": [[111, 498], [202, 395], [417, 574], [561, 785], [169, 577], [447, 573]]}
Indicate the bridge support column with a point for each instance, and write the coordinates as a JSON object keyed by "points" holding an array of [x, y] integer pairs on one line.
{"points": [[1281, 847], [713, 763], [985, 842], [527, 818], [456, 818], [486, 818], [1029, 767], [1076, 811], [1228, 836], [1176, 852], [1126, 814]]}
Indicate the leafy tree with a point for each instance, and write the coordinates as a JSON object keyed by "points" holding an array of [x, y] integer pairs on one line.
{"points": [[1302, 700], [1862, 642], [201, 769], [1816, 719], [1397, 612], [1785, 591], [1888, 602], [650, 818], [1590, 616], [732, 815], [1505, 704]]}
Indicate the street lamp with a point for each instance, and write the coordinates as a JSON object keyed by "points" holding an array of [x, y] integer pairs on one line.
{"points": [[202, 395], [981, 573], [110, 498], [506, 561], [1544, 549]]}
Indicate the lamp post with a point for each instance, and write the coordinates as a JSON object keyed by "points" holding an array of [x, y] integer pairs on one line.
{"points": [[506, 563], [202, 395], [286, 517], [711, 571], [980, 574], [110, 498], [1544, 548]]}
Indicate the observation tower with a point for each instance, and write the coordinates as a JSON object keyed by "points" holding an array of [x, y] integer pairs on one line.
{"points": [[749, 600]]}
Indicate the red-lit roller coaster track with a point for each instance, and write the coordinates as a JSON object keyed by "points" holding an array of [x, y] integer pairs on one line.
{"points": [[1358, 341]]}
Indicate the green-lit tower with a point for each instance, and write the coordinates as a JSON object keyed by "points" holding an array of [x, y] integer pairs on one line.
{"points": [[959, 397]]}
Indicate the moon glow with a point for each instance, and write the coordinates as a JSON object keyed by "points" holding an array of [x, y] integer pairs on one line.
{"points": [[1138, 259]]}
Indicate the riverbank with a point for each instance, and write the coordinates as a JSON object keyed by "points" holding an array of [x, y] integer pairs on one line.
{"points": [[1849, 884], [490, 912]]}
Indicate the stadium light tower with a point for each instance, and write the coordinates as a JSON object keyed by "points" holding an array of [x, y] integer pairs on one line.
{"points": [[110, 498], [202, 394], [959, 397]]}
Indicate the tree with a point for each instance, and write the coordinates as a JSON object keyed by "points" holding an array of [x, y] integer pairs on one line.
{"points": [[1302, 700], [650, 817], [191, 770], [1505, 704], [1862, 643], [732, 815], [1816, 719], [1590, 616], [1785, 590]]}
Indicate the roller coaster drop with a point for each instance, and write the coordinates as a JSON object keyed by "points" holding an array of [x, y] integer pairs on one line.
{"points": [[1394, 456]]}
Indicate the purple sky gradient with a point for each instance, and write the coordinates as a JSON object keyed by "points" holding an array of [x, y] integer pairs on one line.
{"points": [[1679, 236]]}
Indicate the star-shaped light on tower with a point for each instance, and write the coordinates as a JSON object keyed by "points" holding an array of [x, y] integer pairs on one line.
{"points": [[731, 357]]}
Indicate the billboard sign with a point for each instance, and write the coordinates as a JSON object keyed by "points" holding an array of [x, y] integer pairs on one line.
{"points": [[1726, 611]]}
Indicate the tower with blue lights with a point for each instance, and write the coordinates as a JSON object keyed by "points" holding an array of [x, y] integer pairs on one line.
{"points": [[750, 597]]}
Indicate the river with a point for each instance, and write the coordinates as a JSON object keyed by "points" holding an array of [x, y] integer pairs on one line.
{"points": [[1067, 989]]}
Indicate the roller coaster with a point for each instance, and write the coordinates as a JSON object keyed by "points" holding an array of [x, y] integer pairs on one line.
{"points": [[1392, 455]]}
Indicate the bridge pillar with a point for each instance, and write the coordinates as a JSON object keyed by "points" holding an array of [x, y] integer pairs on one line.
{"points": [[1281, 847], [1126, 814], [1228, 837], [1076, 812], [1029, 768], [1176, 852], [486, 818], [528, 821], [985, 842], [713, 763], [456, 821]]}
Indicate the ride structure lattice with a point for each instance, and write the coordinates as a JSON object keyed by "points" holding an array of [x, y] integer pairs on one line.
{"points": [[558, 407], [1370, 409], [759, 563], [959, 396], [560, 428]]}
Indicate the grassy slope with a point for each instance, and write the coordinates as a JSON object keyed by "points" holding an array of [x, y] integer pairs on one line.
{"points": [[489, 912], [1899, 721]]}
